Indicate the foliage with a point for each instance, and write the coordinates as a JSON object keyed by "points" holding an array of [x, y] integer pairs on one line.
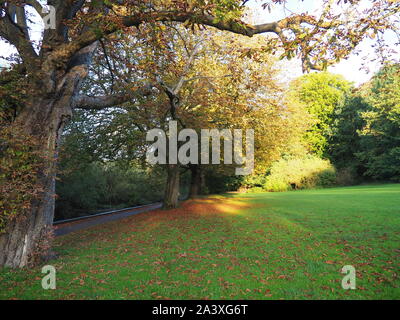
{"points": [[90, 181], [97, 169], [221, 181], [210, 74], [12, 94], [367, 129], [100, 186], [254, 181], [300, 173], [217, 83], [346, 140], [322, 95], [19, 163], [380, 137], [19, 159]]}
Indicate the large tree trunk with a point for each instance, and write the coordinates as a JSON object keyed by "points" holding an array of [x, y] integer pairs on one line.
{"points": [[53, 95], [196, 181], [43, 120], [171, 195], [22, 238]]}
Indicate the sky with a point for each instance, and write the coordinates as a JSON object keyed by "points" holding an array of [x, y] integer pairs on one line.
{"points": [[352, 68], [35, 33]]}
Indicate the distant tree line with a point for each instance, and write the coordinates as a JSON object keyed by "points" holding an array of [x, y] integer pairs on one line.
{"points": [[356, 131]]}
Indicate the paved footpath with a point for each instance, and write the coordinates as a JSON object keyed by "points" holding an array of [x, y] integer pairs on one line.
{"points": [[67, 227]]}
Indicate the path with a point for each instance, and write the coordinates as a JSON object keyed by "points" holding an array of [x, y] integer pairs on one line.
{"points": [[67, 227]]}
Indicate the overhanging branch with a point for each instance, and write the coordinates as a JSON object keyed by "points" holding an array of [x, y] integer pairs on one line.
{"points": [[108, 101], [235, 26]]}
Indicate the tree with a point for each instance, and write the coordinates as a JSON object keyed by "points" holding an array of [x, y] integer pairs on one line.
{"points": [[54, 69], [379, 138], [203, 82], [345, 141], [323, 95], [366, 130]]}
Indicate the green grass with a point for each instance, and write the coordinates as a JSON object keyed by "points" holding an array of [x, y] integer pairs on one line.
{"points": [[288, 245]]}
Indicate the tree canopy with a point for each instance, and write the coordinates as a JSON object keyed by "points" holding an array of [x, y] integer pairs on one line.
{"points": [[322, 94]]}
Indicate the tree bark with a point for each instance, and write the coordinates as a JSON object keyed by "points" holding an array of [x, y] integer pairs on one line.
{"points": [[22, 236], [171, 196], [43, 118], [196, 181]]}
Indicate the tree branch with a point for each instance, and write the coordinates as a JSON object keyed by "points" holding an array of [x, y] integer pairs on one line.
{"points": [[238, 27], [189, 63], [102, 102], [36, 5], [13, 28]]}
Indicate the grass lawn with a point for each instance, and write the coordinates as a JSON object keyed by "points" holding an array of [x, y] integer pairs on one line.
{"points": [[288, 245]]}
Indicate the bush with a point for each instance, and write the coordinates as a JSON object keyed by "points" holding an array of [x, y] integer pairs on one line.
{"points": [[346, 176], [217, 182], [276, 184], [300, 173], [254, 190], [253, 181], [99, 187]]}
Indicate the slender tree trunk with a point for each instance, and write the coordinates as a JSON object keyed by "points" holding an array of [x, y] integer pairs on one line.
{"points": [[196, 181], [171, 195]]}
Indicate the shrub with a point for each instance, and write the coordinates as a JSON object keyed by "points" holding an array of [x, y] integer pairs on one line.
{"points": [[254, 190], [346, 176], [253, 181], [217, 182], [300, 173], [99, 187], [276, 184]]}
